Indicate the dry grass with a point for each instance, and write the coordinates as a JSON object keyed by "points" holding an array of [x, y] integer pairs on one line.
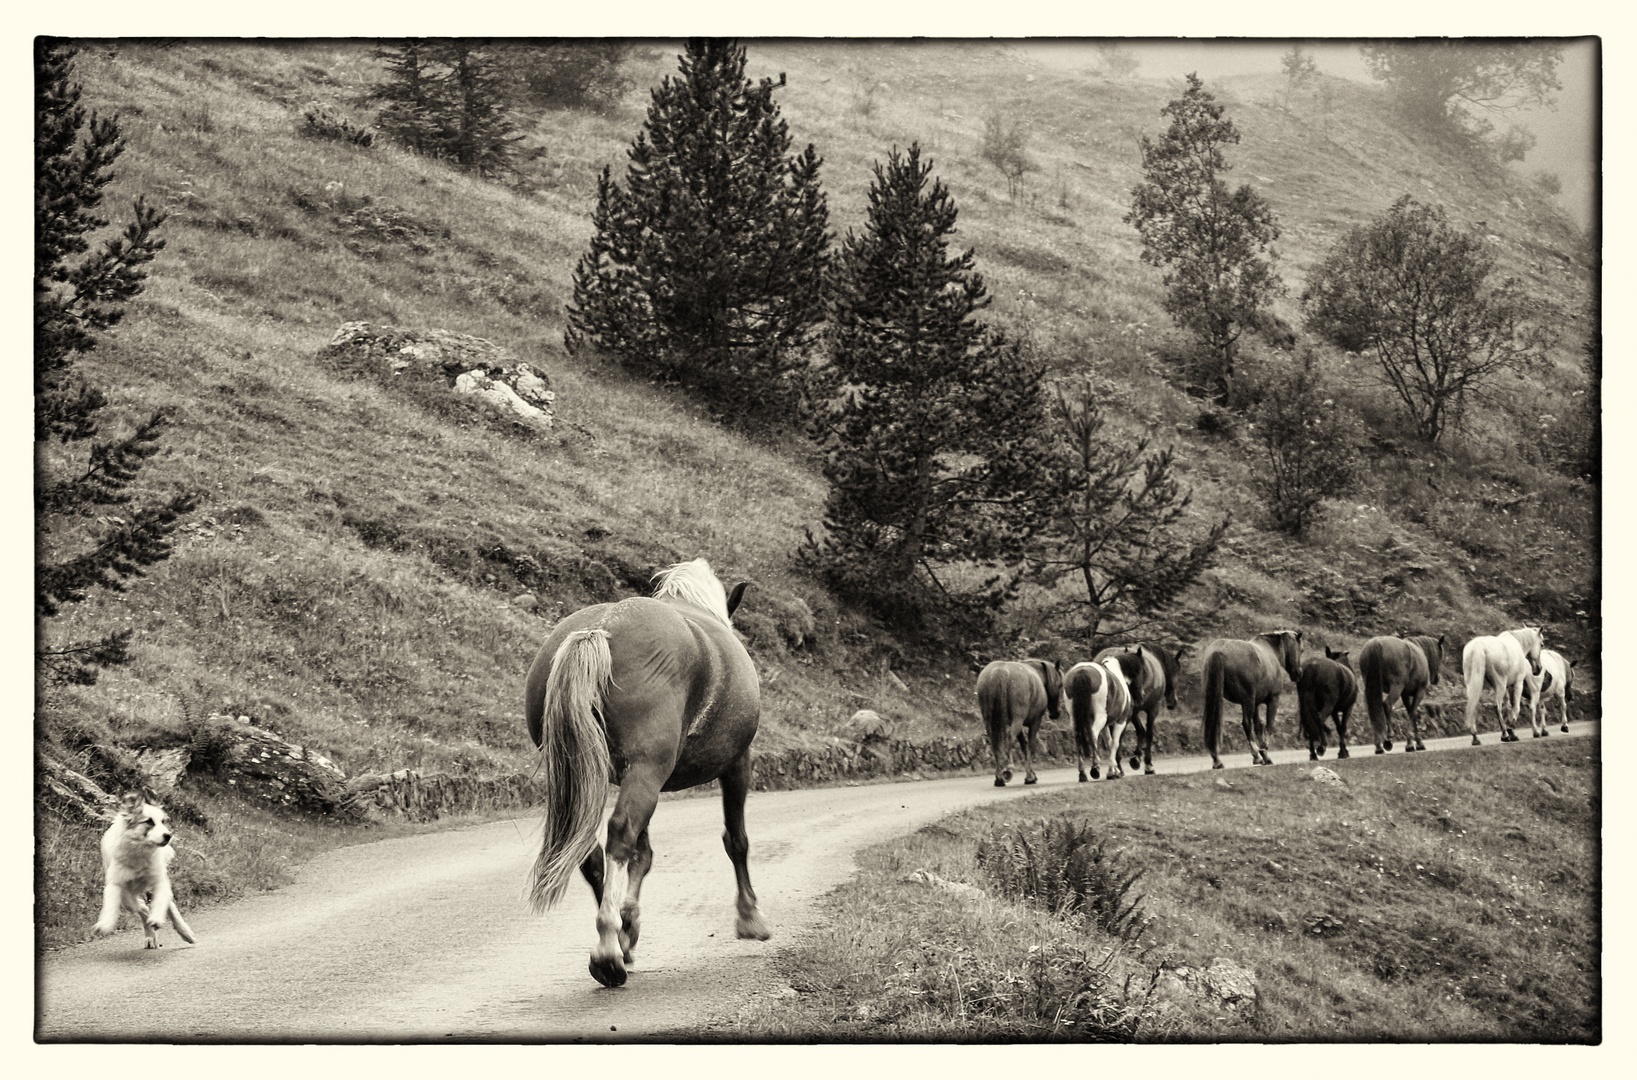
{"points": [[1449, 896]]}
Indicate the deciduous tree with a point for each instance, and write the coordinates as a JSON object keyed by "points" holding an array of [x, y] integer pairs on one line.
{"points": [[1440, 80], [1417, 293], [1212, 242], [1309, 443]]}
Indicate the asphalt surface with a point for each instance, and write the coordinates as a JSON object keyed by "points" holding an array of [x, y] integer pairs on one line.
{"points": [[428, 938]]}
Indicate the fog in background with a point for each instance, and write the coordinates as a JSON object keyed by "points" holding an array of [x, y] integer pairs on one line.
{"points": [[1566, 137]]}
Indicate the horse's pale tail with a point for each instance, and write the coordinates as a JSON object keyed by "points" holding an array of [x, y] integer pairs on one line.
{"points": [[574, 762]]}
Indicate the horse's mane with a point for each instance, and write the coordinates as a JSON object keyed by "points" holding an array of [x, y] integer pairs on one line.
{"points": [[694, 583]]}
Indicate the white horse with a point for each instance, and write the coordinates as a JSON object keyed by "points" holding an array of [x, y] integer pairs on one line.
{"points": [[1556, 675], [1099, 698], [1501, 662]]}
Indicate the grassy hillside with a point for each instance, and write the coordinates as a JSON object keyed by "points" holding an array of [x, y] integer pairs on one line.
{"points": [[349, 579]]}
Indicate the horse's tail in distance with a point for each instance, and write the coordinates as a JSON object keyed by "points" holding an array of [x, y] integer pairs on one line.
{"points": [[1375, 692], [574, 762], [1216, 669]]}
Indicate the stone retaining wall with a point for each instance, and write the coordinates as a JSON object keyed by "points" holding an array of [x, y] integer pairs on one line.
{"points": [[429, 796]]}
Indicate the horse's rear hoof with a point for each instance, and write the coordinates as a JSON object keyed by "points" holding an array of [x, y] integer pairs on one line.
{"points": [[1000, 781], [1565, 727], [1379, 750], [1387, 744], [1031, 780], [1148, 770], [1135, 761], [1082, 776], [608, 971], [1096, 774], [1475, 741], [1342, 753], [1216, 764], [752, 928], [1007, 775]]}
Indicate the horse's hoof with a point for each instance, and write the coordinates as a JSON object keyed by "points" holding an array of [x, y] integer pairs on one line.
{"points": [[1387, 744], [1082, 776], [1565, 727], [999, 782], [1342, 753], [1096, 773], [1118, 774], [1007, 775], [1545, 734], [752, 928], [607, 970], [1135, 761], [1379, 750], [1148, 770], [1031, 780], [1216, 765], [1475, 741]]}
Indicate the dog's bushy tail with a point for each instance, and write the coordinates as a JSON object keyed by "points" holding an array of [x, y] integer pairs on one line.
{"points": [[574, 762]]}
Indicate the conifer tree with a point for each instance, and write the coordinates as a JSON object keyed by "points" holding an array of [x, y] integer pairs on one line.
{"points": [[1118, 523], [1213, 243], [706, 266], [77, 296], [449, 98], [934, 437]]}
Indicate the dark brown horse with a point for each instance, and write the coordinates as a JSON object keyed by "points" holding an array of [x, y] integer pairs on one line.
{"points": [[1248, 673], [1099, 699], [1398, 667], [1012, 696], [1151, 673], [657, 694], [1326, 689]]}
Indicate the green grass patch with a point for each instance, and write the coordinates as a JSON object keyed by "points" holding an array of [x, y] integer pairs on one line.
{"points": [[1448, 896]]}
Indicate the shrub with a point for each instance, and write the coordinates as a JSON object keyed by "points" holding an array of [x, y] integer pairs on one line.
{"points": [[1053, 864], [1309, 443], [324, 124]]}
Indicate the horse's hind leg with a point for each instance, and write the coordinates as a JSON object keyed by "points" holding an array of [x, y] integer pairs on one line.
{"points": [[1147, 747], [627, 827], [1027, 745], [1262, 736], [735, 785], [1341, 717], [1002, 749], [1249, 719]]}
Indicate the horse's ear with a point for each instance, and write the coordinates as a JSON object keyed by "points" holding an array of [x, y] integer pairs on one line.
{"points": [[735, 596]]}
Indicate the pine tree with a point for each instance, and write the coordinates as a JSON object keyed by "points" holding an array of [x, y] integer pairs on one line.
{"points": [[935, 436], [75, 299], [449, 98], [706, 266], [1117, 522], [1213, 243]]}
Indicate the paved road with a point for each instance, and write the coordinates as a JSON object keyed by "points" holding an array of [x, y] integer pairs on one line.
{"points": [[428, 938]]}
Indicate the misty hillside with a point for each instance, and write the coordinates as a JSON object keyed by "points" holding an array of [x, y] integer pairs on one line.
{"points": [[349, 578]]}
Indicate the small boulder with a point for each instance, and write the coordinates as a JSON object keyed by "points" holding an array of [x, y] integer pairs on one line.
{"points": [[1326, 776], [526, 601], [161, 769]]}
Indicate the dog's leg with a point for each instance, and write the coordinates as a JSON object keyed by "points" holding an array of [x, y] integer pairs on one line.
{"points": [[182, 927], [161, 906], [108, 921]]}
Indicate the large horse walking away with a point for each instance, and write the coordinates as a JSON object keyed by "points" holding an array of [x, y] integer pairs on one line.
{"points": [[1012, 696], [1099, 699], [1248, 673], [1152, 676], [1403, 668], [1326, 690], [1556, 675], [1500, 662], [657, 694]]}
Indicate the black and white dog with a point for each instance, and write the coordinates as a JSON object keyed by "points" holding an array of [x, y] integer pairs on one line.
{"points": [[136, 858]]}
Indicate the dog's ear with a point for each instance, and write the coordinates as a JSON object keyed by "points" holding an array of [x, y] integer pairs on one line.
{"points": [[130, 803]]}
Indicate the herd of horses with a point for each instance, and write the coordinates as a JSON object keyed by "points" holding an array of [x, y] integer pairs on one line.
{"points": [[658, 694], [1124, 686]]}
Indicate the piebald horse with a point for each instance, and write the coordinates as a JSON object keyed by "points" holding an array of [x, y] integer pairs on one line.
{"points": [[1398, 667], [1556, 674], [1248, 673], [1152, 676], [1500, 662], [1326, 690], [1099, 699], [1012, 696], [656, 694]]}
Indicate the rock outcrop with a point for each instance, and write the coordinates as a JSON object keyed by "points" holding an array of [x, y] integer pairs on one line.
{"points": [[465, 364]]}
